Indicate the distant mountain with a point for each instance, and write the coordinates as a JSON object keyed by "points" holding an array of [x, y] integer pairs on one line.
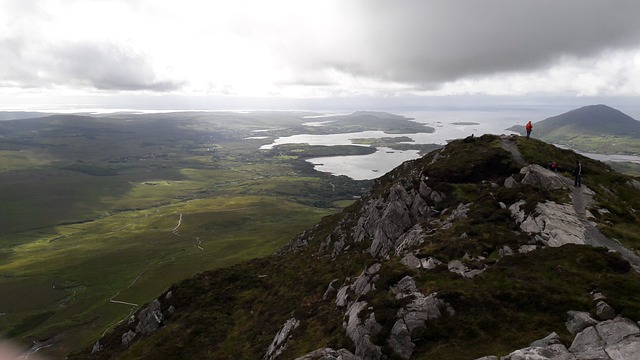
{"points": [[18, 115], [593, 128], [471, 250]]}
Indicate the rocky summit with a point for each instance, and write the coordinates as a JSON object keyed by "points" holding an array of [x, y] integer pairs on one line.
{"points": [[474, 251]]}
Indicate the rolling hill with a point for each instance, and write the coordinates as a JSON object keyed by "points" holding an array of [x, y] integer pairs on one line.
{"points": [[474, 251], [593, 128]]}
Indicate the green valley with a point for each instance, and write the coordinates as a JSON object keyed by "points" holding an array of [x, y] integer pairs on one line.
{"points": [[101, 213]]}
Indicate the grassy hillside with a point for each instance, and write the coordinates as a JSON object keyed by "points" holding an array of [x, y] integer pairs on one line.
{"points": [[595, 129], [235, 312], [103, 209]]}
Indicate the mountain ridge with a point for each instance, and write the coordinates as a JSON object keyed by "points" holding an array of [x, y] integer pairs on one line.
{"points": [[445, 258], [593, 128]]}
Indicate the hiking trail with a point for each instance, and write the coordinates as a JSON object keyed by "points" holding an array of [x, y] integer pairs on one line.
{"points": [[581, 198]]}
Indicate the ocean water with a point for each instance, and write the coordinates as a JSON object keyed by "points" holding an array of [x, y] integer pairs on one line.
{"points": [[448, 125]]}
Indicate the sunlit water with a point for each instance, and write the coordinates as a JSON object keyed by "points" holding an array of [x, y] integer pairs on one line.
{"points": [[448, 125]]}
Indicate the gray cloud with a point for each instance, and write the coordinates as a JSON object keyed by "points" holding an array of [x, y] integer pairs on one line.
{"points": [[429, 42], [416, 43], [106, 67], [103, 66]]}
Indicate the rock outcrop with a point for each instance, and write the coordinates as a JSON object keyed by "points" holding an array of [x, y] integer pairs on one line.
{"points": [[279, 343], [551, 223]]}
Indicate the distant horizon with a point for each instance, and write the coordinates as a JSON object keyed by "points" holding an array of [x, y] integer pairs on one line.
{"points": [[552, 105]]}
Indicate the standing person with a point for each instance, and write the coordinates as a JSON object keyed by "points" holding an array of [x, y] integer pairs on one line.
{"points": [[529, 127], [578, 174]]}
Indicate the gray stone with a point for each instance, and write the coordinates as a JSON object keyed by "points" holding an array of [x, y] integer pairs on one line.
{"points": [[409, 240], [430, 263], [411, 261], [556, 224], [551, 339], [456, 266], [613, 331], [587, 341], [627, 349], [128, 337], [526, 248], [490, 357], [604, 311], [329, 354], [555, 352], [578, 321], [96, 348], [342, 298], [536, 175], [331, 289], [400, 340], [360, 332], [405, 287], [505, 251], [598, 296], [279, 343], [149, 318], [510, 182]]}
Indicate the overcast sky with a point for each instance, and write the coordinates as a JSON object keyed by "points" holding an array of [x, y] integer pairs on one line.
{"points": [[173, 53]]}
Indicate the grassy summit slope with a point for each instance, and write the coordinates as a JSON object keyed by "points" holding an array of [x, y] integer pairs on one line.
{"points": [[235, 312], [102, 209], [595, 128]]}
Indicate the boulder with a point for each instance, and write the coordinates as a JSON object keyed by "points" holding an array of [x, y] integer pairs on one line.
{"points": [[400, 340], [604, 311], [411, 261], [510, 182], [149, 318], [430, 263], [538, 176], [578, 321]]}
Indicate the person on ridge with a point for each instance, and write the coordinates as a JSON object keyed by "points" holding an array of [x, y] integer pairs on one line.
{"points": [[529, 127], [578, 174]]}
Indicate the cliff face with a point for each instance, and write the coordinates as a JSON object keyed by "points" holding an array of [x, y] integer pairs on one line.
{"points": [[464, 253]]}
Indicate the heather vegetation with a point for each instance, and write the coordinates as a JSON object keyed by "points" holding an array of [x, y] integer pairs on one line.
{"points": [[103, 212], [235, 312]]}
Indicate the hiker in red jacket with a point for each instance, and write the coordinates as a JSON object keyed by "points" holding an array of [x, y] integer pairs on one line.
{"points": [[528, 127]]}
